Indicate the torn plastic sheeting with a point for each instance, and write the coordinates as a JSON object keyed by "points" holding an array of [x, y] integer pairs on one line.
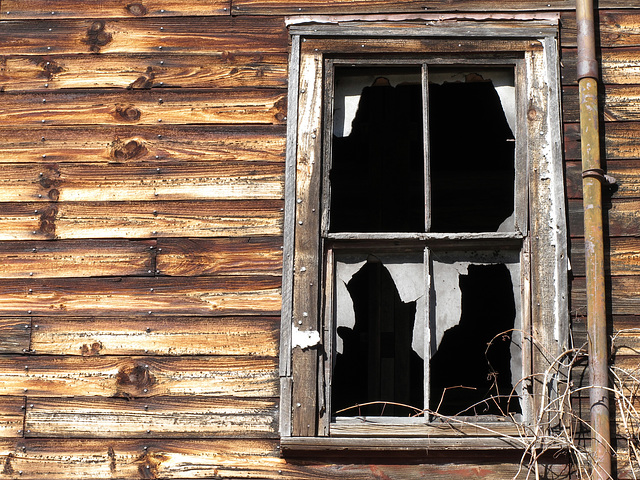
{"points": [[346, 314], [448, 304], [408, 277]]}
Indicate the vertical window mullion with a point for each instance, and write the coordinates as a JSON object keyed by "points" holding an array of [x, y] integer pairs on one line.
{"points": [[427, 331], [425, 136]]}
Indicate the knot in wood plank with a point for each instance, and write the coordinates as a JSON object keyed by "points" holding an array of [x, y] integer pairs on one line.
{"points": [[127, 149], [128, 113], [97, 37], [136, 9], [134, 380]]}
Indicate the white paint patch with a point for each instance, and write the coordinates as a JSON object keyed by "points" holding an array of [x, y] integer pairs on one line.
{"points": [[304, 338]]}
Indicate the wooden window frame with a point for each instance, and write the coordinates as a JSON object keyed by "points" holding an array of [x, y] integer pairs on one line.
{"points": [[530, 44]]}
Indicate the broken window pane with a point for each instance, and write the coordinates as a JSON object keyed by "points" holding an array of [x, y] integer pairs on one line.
{"points": [[377, 172], [471, 149], [476, 358], [379, 334]]}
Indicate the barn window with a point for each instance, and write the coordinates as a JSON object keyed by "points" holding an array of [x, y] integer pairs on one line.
{"points": [[425, 262]]}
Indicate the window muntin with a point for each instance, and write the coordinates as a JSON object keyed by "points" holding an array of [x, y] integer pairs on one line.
{"points": [[420, 149]]}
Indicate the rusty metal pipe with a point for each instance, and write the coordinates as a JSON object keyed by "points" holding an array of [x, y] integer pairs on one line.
{"points": [[592, 180]]}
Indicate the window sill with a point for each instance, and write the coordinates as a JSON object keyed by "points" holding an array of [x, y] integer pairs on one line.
{"points": [[300, 445]]}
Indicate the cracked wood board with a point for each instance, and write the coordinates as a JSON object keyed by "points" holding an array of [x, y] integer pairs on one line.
{"points": [[129, 377], [140, 220], [173, 336]]}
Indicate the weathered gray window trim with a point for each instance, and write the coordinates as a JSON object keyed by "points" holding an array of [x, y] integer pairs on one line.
{"points": [[544, 249]]}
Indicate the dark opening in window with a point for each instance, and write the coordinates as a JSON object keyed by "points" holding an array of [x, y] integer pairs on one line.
{"points": [[377, 361], [377, 176], [471, 152], [471, 369], [385, 178]]}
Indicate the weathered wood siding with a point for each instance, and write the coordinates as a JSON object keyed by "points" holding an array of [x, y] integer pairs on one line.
{"points": [[142, 150]]}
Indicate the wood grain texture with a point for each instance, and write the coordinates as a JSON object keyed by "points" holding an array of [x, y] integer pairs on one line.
{"points": [[627, 342], [621, 140], [619, 103], [133, 144], [293, 7], [110, 8], [118, 296], [622, 256], [77, 258], [216, 35], [133, 377], [157, 417], [135, 220], [12, 411], [618, 66], [56, 459], [224, 180], [411, 44], [180, 335], [624, 296], [144, 107], [621, 217], [15, 334], [626, 173], [148, 458], [229, 70], [617, 28], [307, 245], [220, 256]]}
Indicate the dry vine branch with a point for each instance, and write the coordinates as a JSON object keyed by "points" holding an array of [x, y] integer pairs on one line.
{"points": [[556, 425]]}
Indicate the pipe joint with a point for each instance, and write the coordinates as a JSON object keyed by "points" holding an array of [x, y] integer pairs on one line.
{"points": [[587, 69], [599, 174]]}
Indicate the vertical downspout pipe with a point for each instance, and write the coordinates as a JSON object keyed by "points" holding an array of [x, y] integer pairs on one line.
{"points": [[592, 180]]}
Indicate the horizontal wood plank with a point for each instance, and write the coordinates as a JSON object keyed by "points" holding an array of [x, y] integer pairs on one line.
{"points": [[134, 220], [198, 34], [180, 335], [624, 295], [118, 296], [133, 144], [621, 217], [110, 8], [157, 417], [224, 180], [411, 44], [12, 414], [622, 256], [243, 70], [144, 107], [77, 258], [626, 173], [618, 66], [619, 103], [15, 334], [627, 342], [132, 377], [620, 140], [61, 459], [294, 7], [219, 256], [615, 27]]}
